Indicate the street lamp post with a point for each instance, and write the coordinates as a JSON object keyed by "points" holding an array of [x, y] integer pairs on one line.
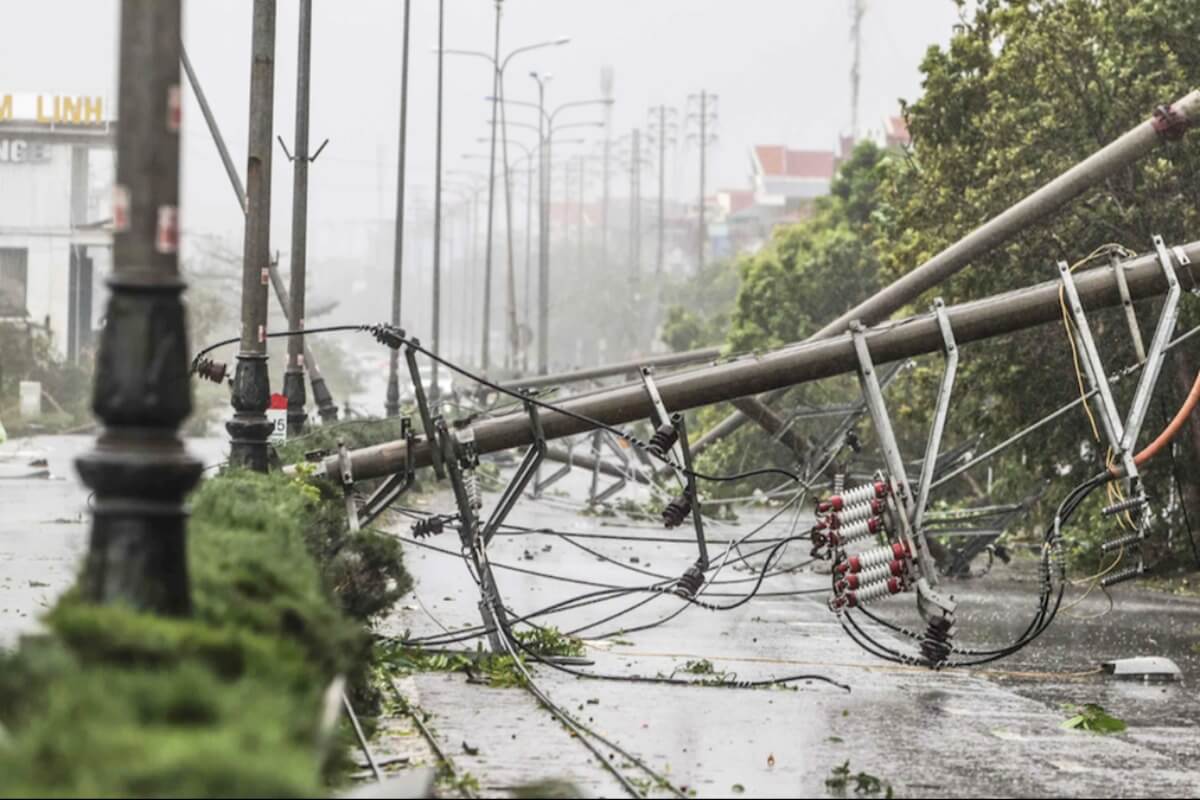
{"points": [[138, 467], [251, 394], [497, 98]]}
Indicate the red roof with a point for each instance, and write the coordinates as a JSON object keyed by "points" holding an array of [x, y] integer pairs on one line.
{"points": [[778, 161], [739, 199]]}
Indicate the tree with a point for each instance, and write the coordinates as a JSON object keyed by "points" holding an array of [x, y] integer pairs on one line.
{"points": [[1022, 91]]}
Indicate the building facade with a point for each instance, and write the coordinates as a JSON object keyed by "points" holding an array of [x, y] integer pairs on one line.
{"points": [[55, 231]]}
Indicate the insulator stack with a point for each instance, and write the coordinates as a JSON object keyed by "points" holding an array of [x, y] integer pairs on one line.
{"points": [[839, 483], [859, 494], [690, 582], [388, 335], [1128, 540], [882, 572], [211, 370], [676, 511], [429, 526], [858, 530], [1132, 504], [1123, 575], [471, 485], [869, 593], [663, 440], [873, 557], [935, 644]]}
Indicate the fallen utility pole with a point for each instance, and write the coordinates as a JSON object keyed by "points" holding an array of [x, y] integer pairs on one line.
{"points": [[138, 467], [801, 363], [1168, 123], [620, 368], [321, 395]]}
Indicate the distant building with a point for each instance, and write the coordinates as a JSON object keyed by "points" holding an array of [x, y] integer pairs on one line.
{"points": [[895, 132], [55, 227], [790, 179]]}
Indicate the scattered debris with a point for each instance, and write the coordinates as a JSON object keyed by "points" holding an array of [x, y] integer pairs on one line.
{"points": [[1094, 719], [840, 779]]}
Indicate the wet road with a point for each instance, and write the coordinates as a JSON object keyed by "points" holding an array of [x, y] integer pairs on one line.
{"points": [[986, 732], [990, 732]]}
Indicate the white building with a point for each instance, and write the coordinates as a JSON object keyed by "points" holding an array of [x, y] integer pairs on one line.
{"points": [[55, 234]]}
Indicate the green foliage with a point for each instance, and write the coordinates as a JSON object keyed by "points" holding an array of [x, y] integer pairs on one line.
{"points": [[497, 671], [222, 703], [1093, 719], [699, 312], [27, 354], [865, 783], [550, 641], [1022, 91]]}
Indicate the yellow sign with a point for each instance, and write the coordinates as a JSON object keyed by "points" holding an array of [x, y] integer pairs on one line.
{"points": [[55, 109]]}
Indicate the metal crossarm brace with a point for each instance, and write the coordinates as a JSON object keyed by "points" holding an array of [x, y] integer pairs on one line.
{"points": [[1157, 353], [1093, 368], [941, 411], [449, 453], [898, 477], [660, 417], [690, 489], [410, 356], [1135, 332], [596, 494], [525, 473], [396, 485]]}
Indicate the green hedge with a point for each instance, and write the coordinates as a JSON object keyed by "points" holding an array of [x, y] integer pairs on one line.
{"points": [[225, 703]]}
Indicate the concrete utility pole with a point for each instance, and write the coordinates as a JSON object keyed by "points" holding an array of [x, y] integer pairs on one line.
{"points": [[293, 378], [251, 394], [660, 116], [491, 203], [321, 395], [606, 91], [138, 467], [437, 207], [635, 208], [392, 405], [800, 363], [704, 116], [543, 329], [857, 10]]}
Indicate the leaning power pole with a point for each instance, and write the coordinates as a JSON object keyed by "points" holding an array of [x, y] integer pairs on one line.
{"points": [[606, 91], [293, 377], [437, 202], [251, 394], [138, 467], [392, 406]]}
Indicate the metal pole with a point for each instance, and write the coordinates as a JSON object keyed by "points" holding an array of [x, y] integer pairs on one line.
{"points": [[703, 152], [437, 211], [138, 467], [579, 268], [392, 404], [981, 319], [611, 370], [528, 267], [251, 394], [1166, 124], [510, 356], [293, 378], [543, 332], [487, 270], [662, 178]]}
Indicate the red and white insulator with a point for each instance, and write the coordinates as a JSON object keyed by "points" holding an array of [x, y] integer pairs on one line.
{"points": [[881, 572], [859, 494], [873, 557], [859, 511], [873, 592], [858, 530]]}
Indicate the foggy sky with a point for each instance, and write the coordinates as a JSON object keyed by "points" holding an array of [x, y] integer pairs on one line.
{"points": [[780, 68]]}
